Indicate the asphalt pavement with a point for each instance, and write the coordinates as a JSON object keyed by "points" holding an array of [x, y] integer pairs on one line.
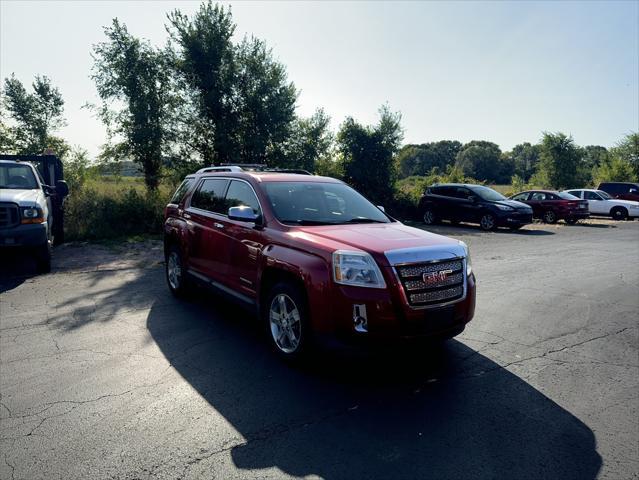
{"points": [[103, 374]]}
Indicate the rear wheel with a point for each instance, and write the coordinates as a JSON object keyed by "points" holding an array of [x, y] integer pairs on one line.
{"points": [[429, 217], [619, 213], [549, 216], [487, 222], [176, 273], [286, 316]]}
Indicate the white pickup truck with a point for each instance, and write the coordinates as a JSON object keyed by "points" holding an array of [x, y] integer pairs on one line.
{"points": [[26, 215], [600, 203]]}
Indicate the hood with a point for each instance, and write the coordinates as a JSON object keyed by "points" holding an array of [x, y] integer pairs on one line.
{"points": [[24, 198], [514, 204], [375, 238]]}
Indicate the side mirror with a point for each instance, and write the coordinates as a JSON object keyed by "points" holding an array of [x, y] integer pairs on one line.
{"points": [[632, 190], [61, 188], [243, 213], [381, 208], [472, 198]]}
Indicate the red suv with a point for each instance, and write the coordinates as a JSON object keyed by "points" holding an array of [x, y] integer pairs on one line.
{"points": [[316, 260]]}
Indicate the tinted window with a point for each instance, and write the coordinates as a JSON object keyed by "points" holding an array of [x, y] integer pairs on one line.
{"points": [[210, 195], [538, 196], [241, 193], [613, 188], [182, 190], [591, 196], [446, 191], [320, 203], [575, 193], [460, 192], [521, 197], [489, 194]]}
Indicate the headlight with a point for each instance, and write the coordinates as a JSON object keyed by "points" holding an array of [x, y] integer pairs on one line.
{"points": [[503, 207], [469, 265], [32, 215], [357, 269]]}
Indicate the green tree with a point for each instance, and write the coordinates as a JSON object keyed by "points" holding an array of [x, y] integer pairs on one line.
{"points": [[243, 105], [524, 157], [367, 153], [309, 142], [421, 159], [483, 160], [131, 73], [614, 169], [36, 116], [558, 162], [628, 149]]}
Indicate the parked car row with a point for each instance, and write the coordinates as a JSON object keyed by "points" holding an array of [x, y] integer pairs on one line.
{"points": [[490, 209]]}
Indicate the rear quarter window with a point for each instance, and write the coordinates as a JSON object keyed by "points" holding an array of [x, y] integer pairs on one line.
{"points": [[182, 190]]}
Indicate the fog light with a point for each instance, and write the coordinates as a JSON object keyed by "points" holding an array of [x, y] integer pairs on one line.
{"points": [[360, 320]]}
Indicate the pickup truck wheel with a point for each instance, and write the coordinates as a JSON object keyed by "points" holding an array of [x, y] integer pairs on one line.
{"points": [[287, 320], [175, 272], [429, 217], [43, 258], [550, 216], [619, 213], [487, 222]]}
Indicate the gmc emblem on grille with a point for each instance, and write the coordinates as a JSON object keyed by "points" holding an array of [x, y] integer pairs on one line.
{"points": [[430, 278]]}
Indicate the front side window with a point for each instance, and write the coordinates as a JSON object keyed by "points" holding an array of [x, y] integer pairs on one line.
{"points": [[17, 177], [488, 194], [210, 195], [538, 196], [318, 203], [591, 196], [604, 195], [521, 197], [239, 194]]}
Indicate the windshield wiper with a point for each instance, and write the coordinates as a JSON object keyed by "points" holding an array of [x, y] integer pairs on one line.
{"points": [[363, 220], [306, 222]]}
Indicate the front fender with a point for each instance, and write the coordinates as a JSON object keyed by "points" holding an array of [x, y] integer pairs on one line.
{"points": [[312, 271]]}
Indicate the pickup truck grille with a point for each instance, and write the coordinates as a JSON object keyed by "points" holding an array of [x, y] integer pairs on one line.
{"points": [[433, 283], [9, 215]]}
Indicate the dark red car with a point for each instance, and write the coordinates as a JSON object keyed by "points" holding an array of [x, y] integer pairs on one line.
{"points": [[550, 205], [315, 259]]}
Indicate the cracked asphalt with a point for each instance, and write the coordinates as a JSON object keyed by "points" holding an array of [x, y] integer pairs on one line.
{"points": [[104, 375]]}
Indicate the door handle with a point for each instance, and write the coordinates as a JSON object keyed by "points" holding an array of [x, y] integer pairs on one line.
{"points": [[187, 216], [218, 225]]}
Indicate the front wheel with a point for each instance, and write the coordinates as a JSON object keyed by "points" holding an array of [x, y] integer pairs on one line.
{"points": [[487, 222], [286, 316], [619, 213]]}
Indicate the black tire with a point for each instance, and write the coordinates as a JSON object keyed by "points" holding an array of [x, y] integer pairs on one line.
{"points": [[175, 273], [429, 217], [619, 213], [549, 217], [290, 337], [571, 221], [43, 258], [488, 222]]}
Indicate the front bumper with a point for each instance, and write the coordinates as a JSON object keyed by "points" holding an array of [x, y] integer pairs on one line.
{"points": [[389, 318], [511, 219], [29, 235]]}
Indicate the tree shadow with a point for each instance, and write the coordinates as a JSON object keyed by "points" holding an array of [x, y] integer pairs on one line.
{"points": [[442, 412]]}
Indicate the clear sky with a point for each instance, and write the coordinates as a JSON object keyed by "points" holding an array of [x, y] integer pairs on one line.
{"points": [[499, 71]]}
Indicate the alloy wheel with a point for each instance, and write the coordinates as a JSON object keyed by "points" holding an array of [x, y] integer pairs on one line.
{"points": [[174, 270], [285, 322], [487, 222], [429, 217]]}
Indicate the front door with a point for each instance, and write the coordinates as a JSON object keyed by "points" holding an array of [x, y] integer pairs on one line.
{"points": [[596, 203]]}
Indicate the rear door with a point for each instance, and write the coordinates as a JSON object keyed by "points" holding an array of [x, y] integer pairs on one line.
{"points": [[539, 202], [465, 209], [208, 250]]}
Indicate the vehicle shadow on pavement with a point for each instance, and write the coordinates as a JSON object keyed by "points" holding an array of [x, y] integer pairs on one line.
{"points": [[443, 412], [15, 268], [474, 230]]}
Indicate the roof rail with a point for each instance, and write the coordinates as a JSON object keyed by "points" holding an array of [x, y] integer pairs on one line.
{"points": [[251, 167]]}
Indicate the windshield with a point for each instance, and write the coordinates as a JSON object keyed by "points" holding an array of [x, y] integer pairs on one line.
{"points": [[488, 194], [604, 194], [17, 176], [313, 203], [567, 196]]}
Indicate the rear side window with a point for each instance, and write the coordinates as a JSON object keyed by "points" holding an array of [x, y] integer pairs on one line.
{"points": [[182, 190], [210, 195], [240, 193], [612, 188], [576, 193], [538, 196]]}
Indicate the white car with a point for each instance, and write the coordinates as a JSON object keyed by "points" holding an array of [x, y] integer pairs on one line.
{"points": [[600, 203]]}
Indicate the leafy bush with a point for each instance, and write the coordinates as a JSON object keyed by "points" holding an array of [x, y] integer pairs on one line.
{"points": [[92, 213]]}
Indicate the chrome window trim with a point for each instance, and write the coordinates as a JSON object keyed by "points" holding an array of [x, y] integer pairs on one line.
{"points": [[230, 179]]}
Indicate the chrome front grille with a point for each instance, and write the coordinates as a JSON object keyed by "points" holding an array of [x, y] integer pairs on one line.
{"points": [[9, 215], [432, 283]]}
